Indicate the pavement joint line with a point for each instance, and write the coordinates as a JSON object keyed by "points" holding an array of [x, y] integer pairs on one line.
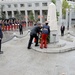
{"points": [[68, 33], [60, 51]]}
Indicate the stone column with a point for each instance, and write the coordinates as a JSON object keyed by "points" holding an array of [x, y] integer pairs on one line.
{"points": [[19, 12], [12, 13], [33, 14], [66, 18], [7, 14], [70, 13], [40, 16], [26, 16]]}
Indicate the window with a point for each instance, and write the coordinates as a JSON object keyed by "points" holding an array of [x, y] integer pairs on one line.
{"points": [[2, 6], [21, 5], [9, 6], [71, 0], [29, 5], [44, 4], [36, 4], [15, 5]]}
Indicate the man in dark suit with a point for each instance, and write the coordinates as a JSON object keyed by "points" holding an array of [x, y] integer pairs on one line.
{"points": [[62, 30], [21, 29], [33, 34], [1, 36]]}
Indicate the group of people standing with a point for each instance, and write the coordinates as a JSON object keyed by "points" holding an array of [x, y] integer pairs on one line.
{"points": [[37, 30], [1, 34], [44, 31]]}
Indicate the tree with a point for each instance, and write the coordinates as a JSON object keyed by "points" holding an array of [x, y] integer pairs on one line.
{"points": [[54, 1], [19, 16], [31, 16], [65, 5], [57, 13], [2, 13]]}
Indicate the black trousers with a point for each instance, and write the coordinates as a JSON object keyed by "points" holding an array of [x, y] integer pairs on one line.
{"points": [[31, 39], [0, 45], [62, 33], [21, 32]]}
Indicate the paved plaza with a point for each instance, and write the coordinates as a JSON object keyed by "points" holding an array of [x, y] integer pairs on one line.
{"points": [[18, 60]]}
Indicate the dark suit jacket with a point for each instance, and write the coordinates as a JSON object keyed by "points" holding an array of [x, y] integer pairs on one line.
{"points": [[1, 34], [35, 30], [20, 27], [62, 28]]}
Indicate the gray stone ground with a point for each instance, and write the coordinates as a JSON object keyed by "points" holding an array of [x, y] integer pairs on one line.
{"points": [[18, 60]]}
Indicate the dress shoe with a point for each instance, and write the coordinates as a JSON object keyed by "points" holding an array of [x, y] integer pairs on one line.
{"points": [[45, 47], [29, 48], [36, 45]]}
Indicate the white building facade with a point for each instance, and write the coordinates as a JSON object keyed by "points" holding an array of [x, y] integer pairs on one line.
{"points": [[70, 14], [38, 7]]}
